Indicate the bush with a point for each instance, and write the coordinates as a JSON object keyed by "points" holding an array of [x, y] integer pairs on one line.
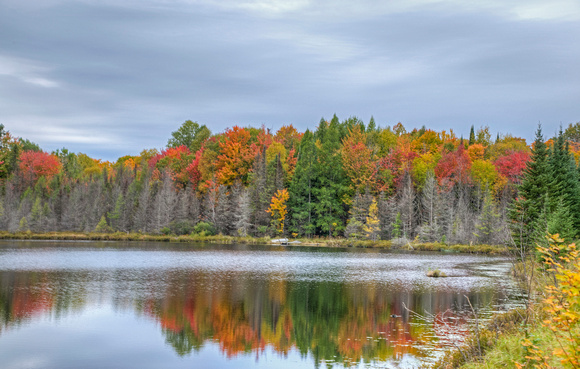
{"points": [[181, 227], [204, 229]]}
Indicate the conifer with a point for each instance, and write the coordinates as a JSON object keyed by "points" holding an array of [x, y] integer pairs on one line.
{"points": [[527, 207]]}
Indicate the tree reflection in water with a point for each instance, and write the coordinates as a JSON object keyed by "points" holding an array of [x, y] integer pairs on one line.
{"points": [[328, 320]]}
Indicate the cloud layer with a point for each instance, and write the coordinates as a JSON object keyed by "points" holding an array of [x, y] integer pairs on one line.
{"points": [[111, 78]]}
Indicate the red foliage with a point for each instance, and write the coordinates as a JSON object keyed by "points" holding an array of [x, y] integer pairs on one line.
{"points": [[291, 160], [175, 161], [264, 139], [454, 167], [392, 167], [173, 153], [512, 165], [193, 169], [36, 164]]}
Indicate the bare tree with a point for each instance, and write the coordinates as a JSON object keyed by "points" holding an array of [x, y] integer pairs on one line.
{"points": [[243, 213], [430, 202], [406, 206]]}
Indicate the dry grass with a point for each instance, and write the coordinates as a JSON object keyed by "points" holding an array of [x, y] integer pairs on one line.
{"points": [[310, 242]]}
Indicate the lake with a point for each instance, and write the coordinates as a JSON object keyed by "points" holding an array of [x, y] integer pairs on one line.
{"points": [[163, 305]]}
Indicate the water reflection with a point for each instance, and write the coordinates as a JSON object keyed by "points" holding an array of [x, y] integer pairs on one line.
{"points": [[330, 318]]}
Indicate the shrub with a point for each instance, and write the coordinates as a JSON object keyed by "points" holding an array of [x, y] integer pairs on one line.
{"points": [[181, 227], [204, 229]]}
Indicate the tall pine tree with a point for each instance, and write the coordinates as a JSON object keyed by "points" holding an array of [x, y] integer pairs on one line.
{"points": [[526, 209]]}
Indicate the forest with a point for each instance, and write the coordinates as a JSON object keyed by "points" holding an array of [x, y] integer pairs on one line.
{"points": [[343, 179]]}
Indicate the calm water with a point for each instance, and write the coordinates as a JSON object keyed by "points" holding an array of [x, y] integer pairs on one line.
{"points": [[119, 305]]}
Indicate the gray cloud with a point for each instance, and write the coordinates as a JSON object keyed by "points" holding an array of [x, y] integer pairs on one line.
{"points": [[111, 78]]}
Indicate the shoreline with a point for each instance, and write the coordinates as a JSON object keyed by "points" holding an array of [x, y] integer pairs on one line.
{"points": [[304, 242]]}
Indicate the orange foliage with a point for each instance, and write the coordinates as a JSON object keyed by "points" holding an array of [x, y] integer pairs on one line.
{"points": [[357, 160], [288, 136], [476, 152], [236, 156]]}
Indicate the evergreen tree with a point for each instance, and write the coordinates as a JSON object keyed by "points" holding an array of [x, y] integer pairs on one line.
{"points": [[564, 187], [527, 207], [471, 136], [331, 182], [488, 221], [397, 225], [23, 225], [300, 202], [116, 216], [561, 222], [102, 226]]}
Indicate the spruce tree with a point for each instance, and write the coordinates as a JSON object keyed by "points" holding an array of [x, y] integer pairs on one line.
{"points": [[300, 202], [330, 186], [564, 186], [488, 221], [471, 136], [526, 209], [561, 222]]}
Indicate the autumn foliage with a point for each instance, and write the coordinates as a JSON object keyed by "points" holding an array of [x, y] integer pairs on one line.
{"points": [[512, 165], [278, 208], [34, 165]]}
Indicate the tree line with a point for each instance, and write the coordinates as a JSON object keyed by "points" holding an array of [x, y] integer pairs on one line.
{"points": [[343, 179]]}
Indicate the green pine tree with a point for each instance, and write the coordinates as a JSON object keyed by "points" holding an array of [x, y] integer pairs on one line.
{"points": [[487, 222], [301, 201], [397, 225], [115, 215], [102, 226], [23, 225], [564, 187], [331, 184], [471, 136], [561, 222], [529, 204]]}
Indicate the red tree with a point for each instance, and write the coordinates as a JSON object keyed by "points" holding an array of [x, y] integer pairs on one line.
{"points": [[512, 165], [36, 164], [454, 167]]}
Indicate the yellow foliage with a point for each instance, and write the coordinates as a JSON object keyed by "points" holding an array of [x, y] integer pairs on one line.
{"points": [[484, 173], [278, 208], [275, 149], [423, 165], [562, 302]]}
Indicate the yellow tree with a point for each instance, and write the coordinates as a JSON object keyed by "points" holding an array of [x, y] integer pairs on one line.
{"points": [[278, 209], [372, 227]]}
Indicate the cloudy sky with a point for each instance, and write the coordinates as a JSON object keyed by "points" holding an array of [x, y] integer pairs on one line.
{"points": [[112, 77]]}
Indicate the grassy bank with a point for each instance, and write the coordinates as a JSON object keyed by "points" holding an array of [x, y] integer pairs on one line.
{"points": [[515, 339], [546, 334], [318, 242]]}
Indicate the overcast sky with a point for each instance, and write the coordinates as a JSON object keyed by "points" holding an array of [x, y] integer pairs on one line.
{"points": [[112, 77]]}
